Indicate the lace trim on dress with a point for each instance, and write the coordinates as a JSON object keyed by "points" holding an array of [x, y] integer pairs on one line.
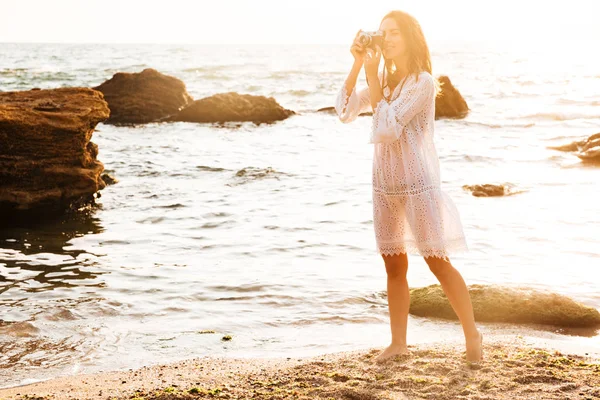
{"points": [[410, 192], [440, 249]]}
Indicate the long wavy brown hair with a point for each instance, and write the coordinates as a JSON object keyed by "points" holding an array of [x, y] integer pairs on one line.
{"points": [[419, 59]]}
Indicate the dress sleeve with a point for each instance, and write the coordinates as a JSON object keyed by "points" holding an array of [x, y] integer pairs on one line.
{"points": [[390, 119], [348, 107]]}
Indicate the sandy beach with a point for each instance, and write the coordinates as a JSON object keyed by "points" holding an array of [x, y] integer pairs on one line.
{"points": [[508, 371]]}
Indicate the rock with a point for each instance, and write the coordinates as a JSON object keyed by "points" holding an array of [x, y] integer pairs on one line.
{"points": [[591, 149], [147, 96], [233, 107], [507, 304], [109, 179], [18, 329], [330, 110], [592, 141], [250, 174], [489, 190], [47, 161], [567, 147], [586, 149], [590, 155], [449, 103]]}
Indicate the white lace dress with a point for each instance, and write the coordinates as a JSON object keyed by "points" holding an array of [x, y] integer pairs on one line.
{"points": [[411, 214]]}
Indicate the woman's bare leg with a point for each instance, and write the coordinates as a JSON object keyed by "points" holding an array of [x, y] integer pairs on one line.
{"points": [[456, 290], [398, 296]]}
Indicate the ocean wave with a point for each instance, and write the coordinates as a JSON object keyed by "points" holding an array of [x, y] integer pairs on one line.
{"points": [[215, 76], [563, 137], [558, 116], [292, 92], [336, 319], [224, 68], [564, 101], [299, 93], [28, 76], [210, 169], [173, 206], [208, 68], [558, 157], [497, 126], [10, 72], [476, 158], [287, 74]]}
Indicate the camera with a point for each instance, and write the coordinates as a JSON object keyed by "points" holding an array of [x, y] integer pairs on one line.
{"points": [[371, 39]]}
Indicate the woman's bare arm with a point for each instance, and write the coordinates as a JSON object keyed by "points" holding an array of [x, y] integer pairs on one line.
{"points": [[353, 76], [375, 89]]}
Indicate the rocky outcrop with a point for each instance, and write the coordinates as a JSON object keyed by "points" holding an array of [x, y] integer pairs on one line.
{"points": [[448, 104], [233, 107], [47, 161], [490, 190], [507, 304], [586, 149], [147, 96]]}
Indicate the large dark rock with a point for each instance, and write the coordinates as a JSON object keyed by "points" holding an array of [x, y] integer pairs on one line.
{"points": [[233, 107], [450, 103], [147, 96], [47, 161], [507, 304], [586, 149]]}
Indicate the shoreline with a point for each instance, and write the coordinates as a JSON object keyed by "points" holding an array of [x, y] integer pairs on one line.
{"points": [[510, 369]]}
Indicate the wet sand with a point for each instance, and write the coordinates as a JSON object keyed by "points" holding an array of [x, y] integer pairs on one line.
{"points": [[439, 371]]}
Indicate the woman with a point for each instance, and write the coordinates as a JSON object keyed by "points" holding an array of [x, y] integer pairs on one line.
{"points": [[411, 214]]}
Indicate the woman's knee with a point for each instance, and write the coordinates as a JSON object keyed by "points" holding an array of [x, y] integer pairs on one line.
{"points": [[396, 266], [437, 265]]}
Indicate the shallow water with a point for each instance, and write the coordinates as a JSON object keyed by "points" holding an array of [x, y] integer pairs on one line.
{"points": [[282, 257]]}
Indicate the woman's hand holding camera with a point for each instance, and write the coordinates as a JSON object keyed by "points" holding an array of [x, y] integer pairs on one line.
{"points": [[364, 56], [367, 58], [358, 50]]}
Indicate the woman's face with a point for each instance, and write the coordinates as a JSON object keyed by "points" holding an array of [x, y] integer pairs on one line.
{"points": [[393, 42]]}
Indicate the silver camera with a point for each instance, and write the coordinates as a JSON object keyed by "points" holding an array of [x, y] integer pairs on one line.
{"points": [[371, 39]]}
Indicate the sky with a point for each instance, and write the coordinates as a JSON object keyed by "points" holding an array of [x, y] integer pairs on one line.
{"points": [[292, 22]]}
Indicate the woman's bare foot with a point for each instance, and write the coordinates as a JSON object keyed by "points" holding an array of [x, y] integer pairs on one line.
{"points": [[475, 348], [391, 351]]}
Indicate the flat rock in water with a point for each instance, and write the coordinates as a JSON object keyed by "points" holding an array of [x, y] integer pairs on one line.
{"points": [[142, 97], [233, 107], [586, 149], [507, 304], [47, 161], [590, 151], [490, 190]]}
